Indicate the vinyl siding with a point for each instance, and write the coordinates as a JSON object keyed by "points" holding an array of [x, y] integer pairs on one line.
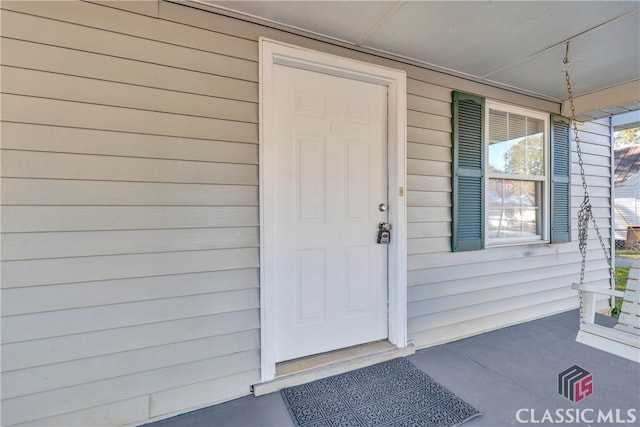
{"points": [[130, 213], [627, 200], [129, 217], [428, 167]]}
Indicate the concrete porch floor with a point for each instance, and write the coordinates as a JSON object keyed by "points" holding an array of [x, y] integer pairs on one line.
{"points": [[500, 373]]}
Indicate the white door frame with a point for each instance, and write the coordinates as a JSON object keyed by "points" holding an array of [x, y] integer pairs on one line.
{"points": [[271, 53]]}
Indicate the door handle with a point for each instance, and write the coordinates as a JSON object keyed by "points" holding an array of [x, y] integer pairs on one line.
{"points": [[384, 226]]}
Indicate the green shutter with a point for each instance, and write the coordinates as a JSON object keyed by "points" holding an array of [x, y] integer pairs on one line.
{"points": [[560, 180], [468, 173]]}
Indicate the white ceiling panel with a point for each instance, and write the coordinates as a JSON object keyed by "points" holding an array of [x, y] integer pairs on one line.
{"points": [[515, 44], [478, 38], [345, 20], [598, 61]]}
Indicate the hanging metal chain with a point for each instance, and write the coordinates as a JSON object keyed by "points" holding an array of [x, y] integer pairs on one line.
{"points": [[585, 213]]}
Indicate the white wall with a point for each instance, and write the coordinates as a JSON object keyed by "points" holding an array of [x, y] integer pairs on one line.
{"points": [[129, 218], [627, 201]]}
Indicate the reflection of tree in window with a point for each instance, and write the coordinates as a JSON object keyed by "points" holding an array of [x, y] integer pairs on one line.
{"points": [[515, 144], [526, 156]]}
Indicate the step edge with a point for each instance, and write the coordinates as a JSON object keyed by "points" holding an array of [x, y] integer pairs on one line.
{"points": [[328, 370]]}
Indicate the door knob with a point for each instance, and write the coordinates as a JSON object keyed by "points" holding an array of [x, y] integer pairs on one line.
{"points": [[382, 207]]}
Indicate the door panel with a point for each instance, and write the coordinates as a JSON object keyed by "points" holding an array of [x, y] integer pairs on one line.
{"points": [[330, 163]]}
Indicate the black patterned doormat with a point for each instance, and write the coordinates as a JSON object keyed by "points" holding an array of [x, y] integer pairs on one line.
{"points": [[392, 393]]}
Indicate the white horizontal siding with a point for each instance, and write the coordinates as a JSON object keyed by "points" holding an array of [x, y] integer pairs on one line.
{"points": [[627, 203], [83, 89], [43, 298], [428, 167], [203, 393], [59, 349], [63, 192], [497, 319], [428, 151], [81, 218], [625, 191], [31, 164], [422, 120], [115, 20], [19, 246], [78, 397], [428, 183], [494, 282], [629, 213], [124, 45], [487, 307], [53, 112], [130, 215], [522, 253], [428, 214], [88, 319], [27, 381], [35, 56], [21, 136], [428, 198]]}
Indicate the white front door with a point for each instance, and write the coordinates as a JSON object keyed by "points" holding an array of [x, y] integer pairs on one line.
{"points": [[330, 176]]}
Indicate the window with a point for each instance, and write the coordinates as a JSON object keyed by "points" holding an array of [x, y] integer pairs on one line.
{"points": [[517, 174], [511, 170]]}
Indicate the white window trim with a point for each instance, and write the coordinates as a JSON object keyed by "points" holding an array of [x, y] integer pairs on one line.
{"points": [[545, 237]]}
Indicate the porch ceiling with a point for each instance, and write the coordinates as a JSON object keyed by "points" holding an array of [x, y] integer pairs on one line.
{"points": [[516, 45]]}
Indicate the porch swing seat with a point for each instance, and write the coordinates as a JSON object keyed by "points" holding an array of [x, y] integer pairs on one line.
{"points": [[624, 338]]}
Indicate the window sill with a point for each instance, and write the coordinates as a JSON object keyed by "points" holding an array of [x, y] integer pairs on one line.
{"points": [[516, 242]]}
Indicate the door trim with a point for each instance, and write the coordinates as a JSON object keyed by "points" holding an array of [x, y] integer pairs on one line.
{"points": [[276, 53]]}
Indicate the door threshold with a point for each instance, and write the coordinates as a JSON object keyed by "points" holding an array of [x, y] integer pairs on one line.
{"points": [[318, 366]]}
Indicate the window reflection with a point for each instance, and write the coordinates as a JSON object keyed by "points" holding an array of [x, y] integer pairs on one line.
{"points": [[516, 144], [513, 208]]}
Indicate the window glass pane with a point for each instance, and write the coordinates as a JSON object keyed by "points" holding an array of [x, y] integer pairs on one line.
{"points": [[498, 129], [513, 208], [516, 144]]}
